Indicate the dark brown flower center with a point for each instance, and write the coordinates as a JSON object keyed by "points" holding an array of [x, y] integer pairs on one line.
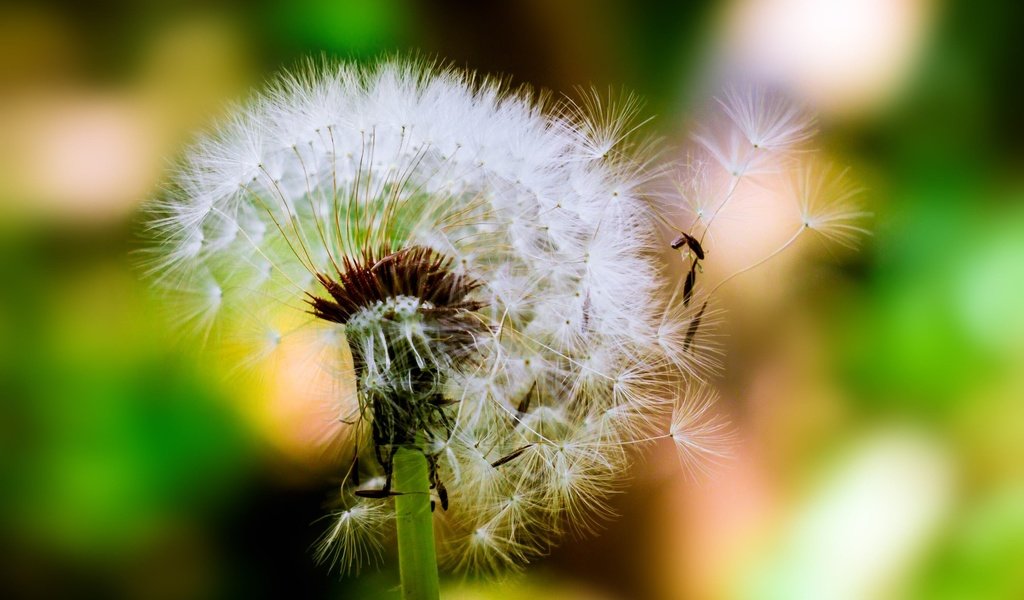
{"points": [[378, 276]]}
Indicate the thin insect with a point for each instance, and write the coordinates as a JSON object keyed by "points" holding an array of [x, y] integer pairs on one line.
{"points": [[690, 242]]}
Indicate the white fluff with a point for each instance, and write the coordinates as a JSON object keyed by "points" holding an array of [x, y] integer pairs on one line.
{"points": [[542, 204]]}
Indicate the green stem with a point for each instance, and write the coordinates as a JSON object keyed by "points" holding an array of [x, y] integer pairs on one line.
{"points": [[416, 557]]}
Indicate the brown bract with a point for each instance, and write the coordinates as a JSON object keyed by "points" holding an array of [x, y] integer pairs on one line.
{"points": [[416, 272]]}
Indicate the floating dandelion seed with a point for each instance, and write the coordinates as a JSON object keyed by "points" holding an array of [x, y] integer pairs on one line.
{"points": [[700, 437], [354, 536], [766, 119], [825, 197], [491, 264], [756, 133]]}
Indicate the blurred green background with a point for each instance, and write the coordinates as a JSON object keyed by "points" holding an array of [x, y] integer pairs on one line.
{"points": [[878, 400]]}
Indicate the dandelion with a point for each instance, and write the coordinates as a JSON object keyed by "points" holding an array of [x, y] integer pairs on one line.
{"points": [[484, 266]]}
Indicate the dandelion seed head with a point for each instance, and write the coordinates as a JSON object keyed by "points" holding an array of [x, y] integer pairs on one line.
{"points": [[489, 258]]}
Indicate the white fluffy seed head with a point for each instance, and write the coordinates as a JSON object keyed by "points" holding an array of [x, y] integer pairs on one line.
{"points": [[570, 339]]}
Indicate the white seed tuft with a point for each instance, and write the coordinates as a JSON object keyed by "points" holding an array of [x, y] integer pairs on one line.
{"points": [[565, 342]]}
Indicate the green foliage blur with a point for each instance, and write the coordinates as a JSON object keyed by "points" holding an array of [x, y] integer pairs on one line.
{"points": [[130, 468]]}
